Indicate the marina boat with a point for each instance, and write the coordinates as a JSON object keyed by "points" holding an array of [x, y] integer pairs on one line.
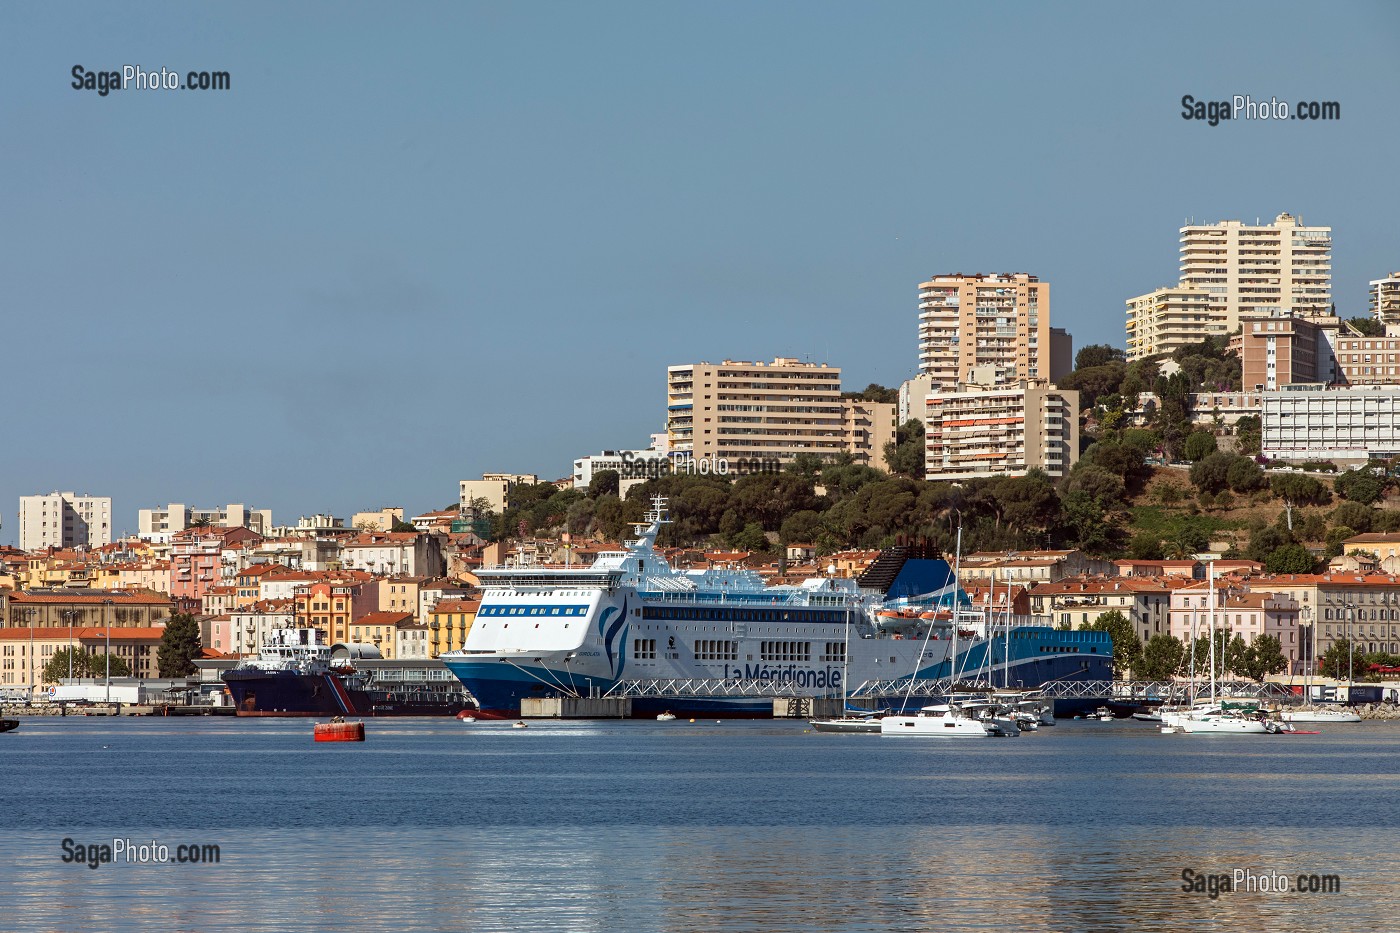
{"points": [[868, 724], [721, 642], [667, 716], [297, 674], [1103, 714], [1148, 715], [1319, 715], [941, 720], [9, 725], [1223, 723]]}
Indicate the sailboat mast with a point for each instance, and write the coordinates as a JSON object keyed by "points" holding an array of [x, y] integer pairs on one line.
{"points": [[1212, 631]]}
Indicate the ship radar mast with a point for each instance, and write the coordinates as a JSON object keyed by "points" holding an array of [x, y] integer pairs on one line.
{"points": [[648, 529]]}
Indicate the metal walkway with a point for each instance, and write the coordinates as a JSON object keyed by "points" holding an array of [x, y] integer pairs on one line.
{"points": [[1124, 690], [1121, 690]]}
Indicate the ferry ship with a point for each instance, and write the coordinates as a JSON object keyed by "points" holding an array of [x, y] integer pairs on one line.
{"points": [[631, 617], [296, 674]]}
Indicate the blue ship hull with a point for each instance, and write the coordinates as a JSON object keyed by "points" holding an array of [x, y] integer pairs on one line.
{"points": [[500, 688]]}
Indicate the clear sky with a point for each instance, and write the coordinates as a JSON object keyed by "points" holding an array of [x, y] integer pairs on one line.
{"points": [[418, 241]]}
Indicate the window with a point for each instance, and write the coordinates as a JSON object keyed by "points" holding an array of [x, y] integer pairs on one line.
{"points": [[835, 651], [709, 649], [644, 649], [785, 651]]}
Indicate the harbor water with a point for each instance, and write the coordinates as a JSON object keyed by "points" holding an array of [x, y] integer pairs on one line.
{"points": [[691, 826]]}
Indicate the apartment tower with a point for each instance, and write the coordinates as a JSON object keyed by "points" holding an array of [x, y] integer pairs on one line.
{"points": [[742, 412], [1261, 270], [971, 321]]}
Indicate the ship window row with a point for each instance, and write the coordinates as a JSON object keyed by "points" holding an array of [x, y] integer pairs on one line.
{"points": [[785, 650], [692, 614], [709, 649], [644, 649], [835, 651], [532, 610]]}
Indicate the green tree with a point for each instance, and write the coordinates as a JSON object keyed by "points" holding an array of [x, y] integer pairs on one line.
{"points": [[905, 454], [1104, 488], [1335, 538], [98, 666], [1265, 541], [1244, 475], [1095, 383], [1212, 472], [400, 525], [1366, 326], [1335, 662], [1145, 546], [1127, 647], [1291, 558], [1087, 525], [1264, 657], [603, 483], [751, 538], [58, 668], [804, 526], [1097, 354], [1199, 445], [1361, 486], [179, 646], [1161, 658], [1353, 515], [1297, 489]]}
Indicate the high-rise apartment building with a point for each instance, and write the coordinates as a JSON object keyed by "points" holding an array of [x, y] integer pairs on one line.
{"points": [[970, 321], [1278, 268], [1385, 299], [742, 412], [1167, 319], [62, 519], [1007, 430]]}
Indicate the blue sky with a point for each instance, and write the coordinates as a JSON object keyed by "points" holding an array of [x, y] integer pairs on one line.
{"points": [[415, 242]]}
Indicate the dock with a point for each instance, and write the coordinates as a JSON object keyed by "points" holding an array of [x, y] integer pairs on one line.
{"points": [[567, 707]]}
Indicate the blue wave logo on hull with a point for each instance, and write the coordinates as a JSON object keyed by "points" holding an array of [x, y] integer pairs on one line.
{"points": [[616, 661]]}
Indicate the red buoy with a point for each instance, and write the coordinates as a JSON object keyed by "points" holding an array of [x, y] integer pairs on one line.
{"points": [[338, 730]]}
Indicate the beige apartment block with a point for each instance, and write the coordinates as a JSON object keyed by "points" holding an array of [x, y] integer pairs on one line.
{"points": [[970, 321], [62, 519], [739, 413], [377, 520], [494, 488], [980, 431], [1385, 299], [1164, 320], [1278, 268]]}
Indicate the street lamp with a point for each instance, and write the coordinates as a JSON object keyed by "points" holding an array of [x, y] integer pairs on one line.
{"points": [[106, 604], [69, 615], [1351, 648], [29, 618]]}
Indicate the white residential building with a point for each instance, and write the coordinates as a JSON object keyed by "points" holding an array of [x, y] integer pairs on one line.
{"points": [[1000, 430], [62, 519], [1385, 299], [160, 523], [1313, 421]]}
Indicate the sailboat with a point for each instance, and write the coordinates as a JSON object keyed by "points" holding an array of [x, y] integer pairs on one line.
{"points": [[1310, 713], [1216, 718], [867, 722]]}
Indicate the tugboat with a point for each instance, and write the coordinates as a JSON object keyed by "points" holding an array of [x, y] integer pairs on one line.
{"points": [[294, 675]]}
